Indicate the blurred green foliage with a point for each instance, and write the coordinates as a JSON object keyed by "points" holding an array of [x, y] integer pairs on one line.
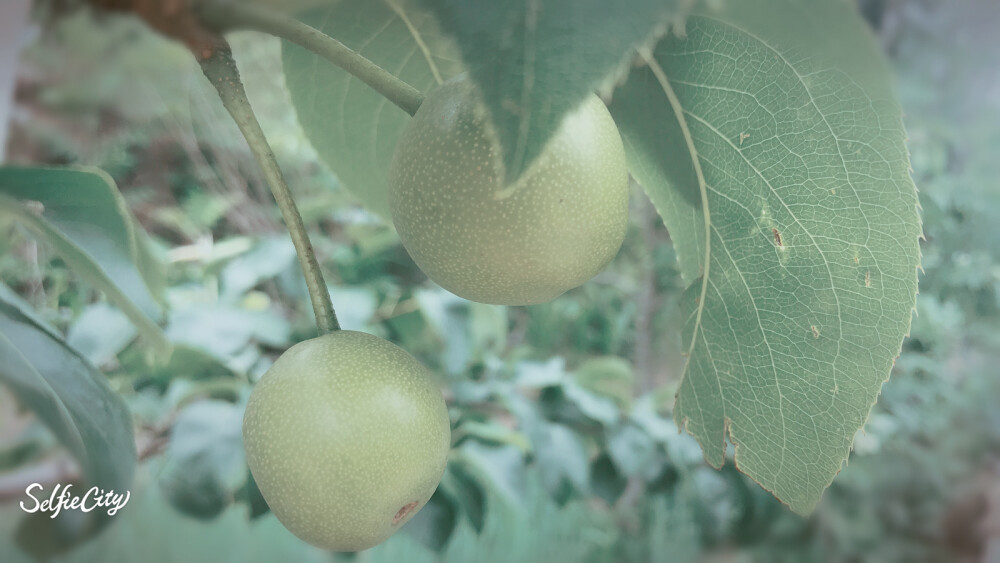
{"points": [[564, 445]]}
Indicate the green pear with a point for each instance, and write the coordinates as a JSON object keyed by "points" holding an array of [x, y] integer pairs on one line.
{"points": [[486, 240], [347, 437]]}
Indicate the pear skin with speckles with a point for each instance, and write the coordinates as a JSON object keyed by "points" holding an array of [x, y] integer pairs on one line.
{"points": [[347, 437], [522, 243]]}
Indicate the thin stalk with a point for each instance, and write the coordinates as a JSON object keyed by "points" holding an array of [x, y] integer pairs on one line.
{"points": [[231, 16], [220, 68]]}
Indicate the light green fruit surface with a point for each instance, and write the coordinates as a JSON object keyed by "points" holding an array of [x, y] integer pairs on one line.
{"points": [[555, 228], [347, 437]]}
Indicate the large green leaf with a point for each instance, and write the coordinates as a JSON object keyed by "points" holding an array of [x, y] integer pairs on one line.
{"points": [[352, 127], [534, 60], [68, 395], [795, 223], [83, 217]]}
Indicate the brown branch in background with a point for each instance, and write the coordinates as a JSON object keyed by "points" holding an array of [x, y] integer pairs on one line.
{"points": [[59, 470], [36, 280], [173, 18], [646, 297], [63, 469], [625, 506], [224, 176], [232, 16], [971, 524]]}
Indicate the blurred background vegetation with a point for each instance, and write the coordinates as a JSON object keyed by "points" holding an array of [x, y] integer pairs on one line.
{"points": [[565, 449]]}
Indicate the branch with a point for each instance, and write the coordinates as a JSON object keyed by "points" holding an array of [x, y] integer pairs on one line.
{"points": [[172, 18], [646, 298], [198, 23], [220, 68], [225, 16], [62, 468]]}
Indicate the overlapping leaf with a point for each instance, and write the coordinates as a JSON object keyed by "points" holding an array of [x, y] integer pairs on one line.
{"points": [[769, 139], [352, 127], [84, 219], [534, 60]]}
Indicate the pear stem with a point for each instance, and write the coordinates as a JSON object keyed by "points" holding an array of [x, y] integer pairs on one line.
{"points": [[224, 16], [220, 69]]}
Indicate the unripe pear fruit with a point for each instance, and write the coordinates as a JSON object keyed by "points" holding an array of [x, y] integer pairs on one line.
{"points": [[527, 242], [347, 436]]}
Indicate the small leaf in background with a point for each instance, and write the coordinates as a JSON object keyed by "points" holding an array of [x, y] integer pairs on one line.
{"points": [[470, 331], [84, 219], [608, 376], [595, 407], [606, 482], [100, 332], [355, 306], [720, 500], [682, 449], [415, 334], [223, 331], [535, 60], [352, 127], [499, 469], [812, 253], [74, 400], [251, 495], [448, 315], [644, 413], [562, 459], [433, 525], [196, 492], [457, 484], [676, 534], [488, 327], [539, 374], [571, 404], [632, 450], [205, 462], [270, 257], [185, 362], [560, 454], [44, 537], [492, 431]]}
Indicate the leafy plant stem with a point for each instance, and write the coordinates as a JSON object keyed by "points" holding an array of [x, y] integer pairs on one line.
{"points": [[220, 68], [229, 16]]}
